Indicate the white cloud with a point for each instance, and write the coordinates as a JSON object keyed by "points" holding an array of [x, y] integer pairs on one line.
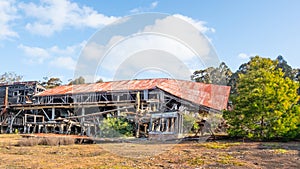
{"points": [[246, 56], [200, 25], [136, 10], [69, 50], [57, 57], [153, 5], [8, 13], [92, 51], [64, 62], [185, 43], [184, 33], [55, 15], [243, 56], [35, 54]]}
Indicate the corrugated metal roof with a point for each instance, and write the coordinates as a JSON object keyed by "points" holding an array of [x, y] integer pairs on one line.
{"points": [[213, 96]]}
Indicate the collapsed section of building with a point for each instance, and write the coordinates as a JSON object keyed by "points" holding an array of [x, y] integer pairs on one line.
{"points": [[155, 106]]}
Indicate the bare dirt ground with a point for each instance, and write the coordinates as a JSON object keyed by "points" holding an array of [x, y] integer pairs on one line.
{"points": [[189, 154]]}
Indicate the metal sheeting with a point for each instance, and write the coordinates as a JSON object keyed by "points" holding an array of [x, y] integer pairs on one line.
{"points": [[213, 96]]}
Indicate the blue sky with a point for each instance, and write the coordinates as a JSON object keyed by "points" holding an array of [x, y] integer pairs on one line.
{"points": [[41, 38]]}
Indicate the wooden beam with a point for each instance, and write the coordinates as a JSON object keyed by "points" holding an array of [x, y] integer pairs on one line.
{"points": [[98, 113]]}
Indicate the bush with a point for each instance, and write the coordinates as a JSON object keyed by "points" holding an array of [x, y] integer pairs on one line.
{"points": [[115, 127], [189, 123]]}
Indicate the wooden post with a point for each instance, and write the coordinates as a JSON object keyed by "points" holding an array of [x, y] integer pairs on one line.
{"points": [[172, 124], [118, 107], [82, 121], [53, 113], [137, 130], [5, 103], [95, 127], [138, 100], [168, 124], [88, 132], [163, 124], [6, 98]]}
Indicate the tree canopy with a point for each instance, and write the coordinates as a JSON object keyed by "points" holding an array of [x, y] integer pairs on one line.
{"points": [[265, 105], [10, 77], [99, 80], [51, 83], [79, 80], [286, 69], [219, 75]]}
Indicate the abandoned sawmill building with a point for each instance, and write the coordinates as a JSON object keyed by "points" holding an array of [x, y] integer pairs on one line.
{"points": [[154, 105]]}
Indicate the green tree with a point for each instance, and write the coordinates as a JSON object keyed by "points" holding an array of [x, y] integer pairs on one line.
{"points": [[99, 80], [286, 69], [10, 77], [265, 105], [233, 81], [219, 75], [281, 65], [51, 83], [296, 75], [79, 80], [115, 127]]}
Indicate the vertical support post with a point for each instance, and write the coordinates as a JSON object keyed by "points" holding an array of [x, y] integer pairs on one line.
{"points": [[178, 128], [12, 118], [82, 120], [180, 124], [157, 108], [163, 124], [138, 100], [146, 94], [161, 101], [118, 107], [39, 128], [28, 129], [151, 124], [95, 127], [172, 124], [88, 132], [137, 129], [6, 98], [5, 103], [168, 124], [137, 118], [53, 113], [83, 113]]}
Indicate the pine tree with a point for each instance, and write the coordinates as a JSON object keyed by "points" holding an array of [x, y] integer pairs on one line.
{"points": [[266, 103]]}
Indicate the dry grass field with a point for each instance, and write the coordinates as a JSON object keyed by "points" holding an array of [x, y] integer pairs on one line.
{"points": [[124, 155]]}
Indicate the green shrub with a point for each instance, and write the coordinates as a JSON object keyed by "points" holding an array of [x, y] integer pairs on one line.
{"points": [[116, 127], [189, 122]]}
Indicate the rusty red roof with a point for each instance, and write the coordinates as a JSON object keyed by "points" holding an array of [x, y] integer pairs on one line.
{"points": [[209, 95]]}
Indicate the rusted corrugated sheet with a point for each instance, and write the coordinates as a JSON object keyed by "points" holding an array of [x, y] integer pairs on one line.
{"points": [[126, 85], [213, 96]]}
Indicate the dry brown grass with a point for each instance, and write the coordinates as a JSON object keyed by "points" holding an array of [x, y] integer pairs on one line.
{"points": [[183, 155], [50, 141], [28, 142]]}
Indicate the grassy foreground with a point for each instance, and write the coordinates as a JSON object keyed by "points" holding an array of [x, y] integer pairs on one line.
{"points": [[125, 155]]}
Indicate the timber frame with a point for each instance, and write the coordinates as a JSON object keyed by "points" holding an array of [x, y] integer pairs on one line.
{"points": [[153, 111]]}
